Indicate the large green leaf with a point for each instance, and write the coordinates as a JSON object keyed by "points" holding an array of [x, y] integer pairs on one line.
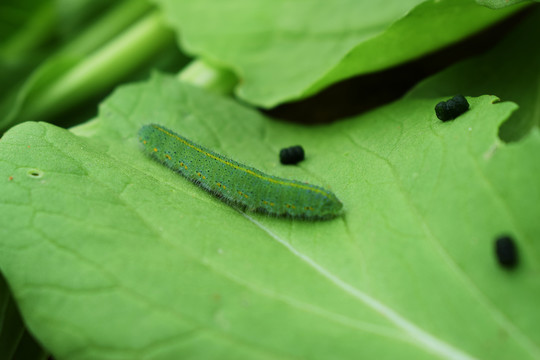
{"points": [[285, 50], [110, 255]]}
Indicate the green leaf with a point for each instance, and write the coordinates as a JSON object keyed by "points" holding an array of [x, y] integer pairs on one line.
{"points": [[499, 71], [111, 255], [286, 50]]}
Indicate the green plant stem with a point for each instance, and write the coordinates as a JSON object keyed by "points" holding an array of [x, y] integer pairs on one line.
{"points": [[202, 74], [109, 26], [104, 67], [36, 31]]}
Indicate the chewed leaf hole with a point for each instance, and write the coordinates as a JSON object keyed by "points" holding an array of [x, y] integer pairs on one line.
{"points": [[34, 173]]}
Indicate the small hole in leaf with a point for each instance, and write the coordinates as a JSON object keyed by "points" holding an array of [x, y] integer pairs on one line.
{"points": [[33, 173]]}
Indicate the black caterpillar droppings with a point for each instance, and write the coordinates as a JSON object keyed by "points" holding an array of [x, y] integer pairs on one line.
{"points": [[451, 109], [506, 251], [291, 155]]}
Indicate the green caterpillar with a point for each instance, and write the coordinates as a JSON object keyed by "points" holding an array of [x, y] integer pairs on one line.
{"points": [[236, 183]]}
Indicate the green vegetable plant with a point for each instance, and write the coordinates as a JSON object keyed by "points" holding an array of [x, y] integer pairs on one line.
{"points": [[111, 255]]}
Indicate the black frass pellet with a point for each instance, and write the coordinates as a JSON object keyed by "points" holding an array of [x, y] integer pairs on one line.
{"points": [[451, 109], [291, 155]]}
